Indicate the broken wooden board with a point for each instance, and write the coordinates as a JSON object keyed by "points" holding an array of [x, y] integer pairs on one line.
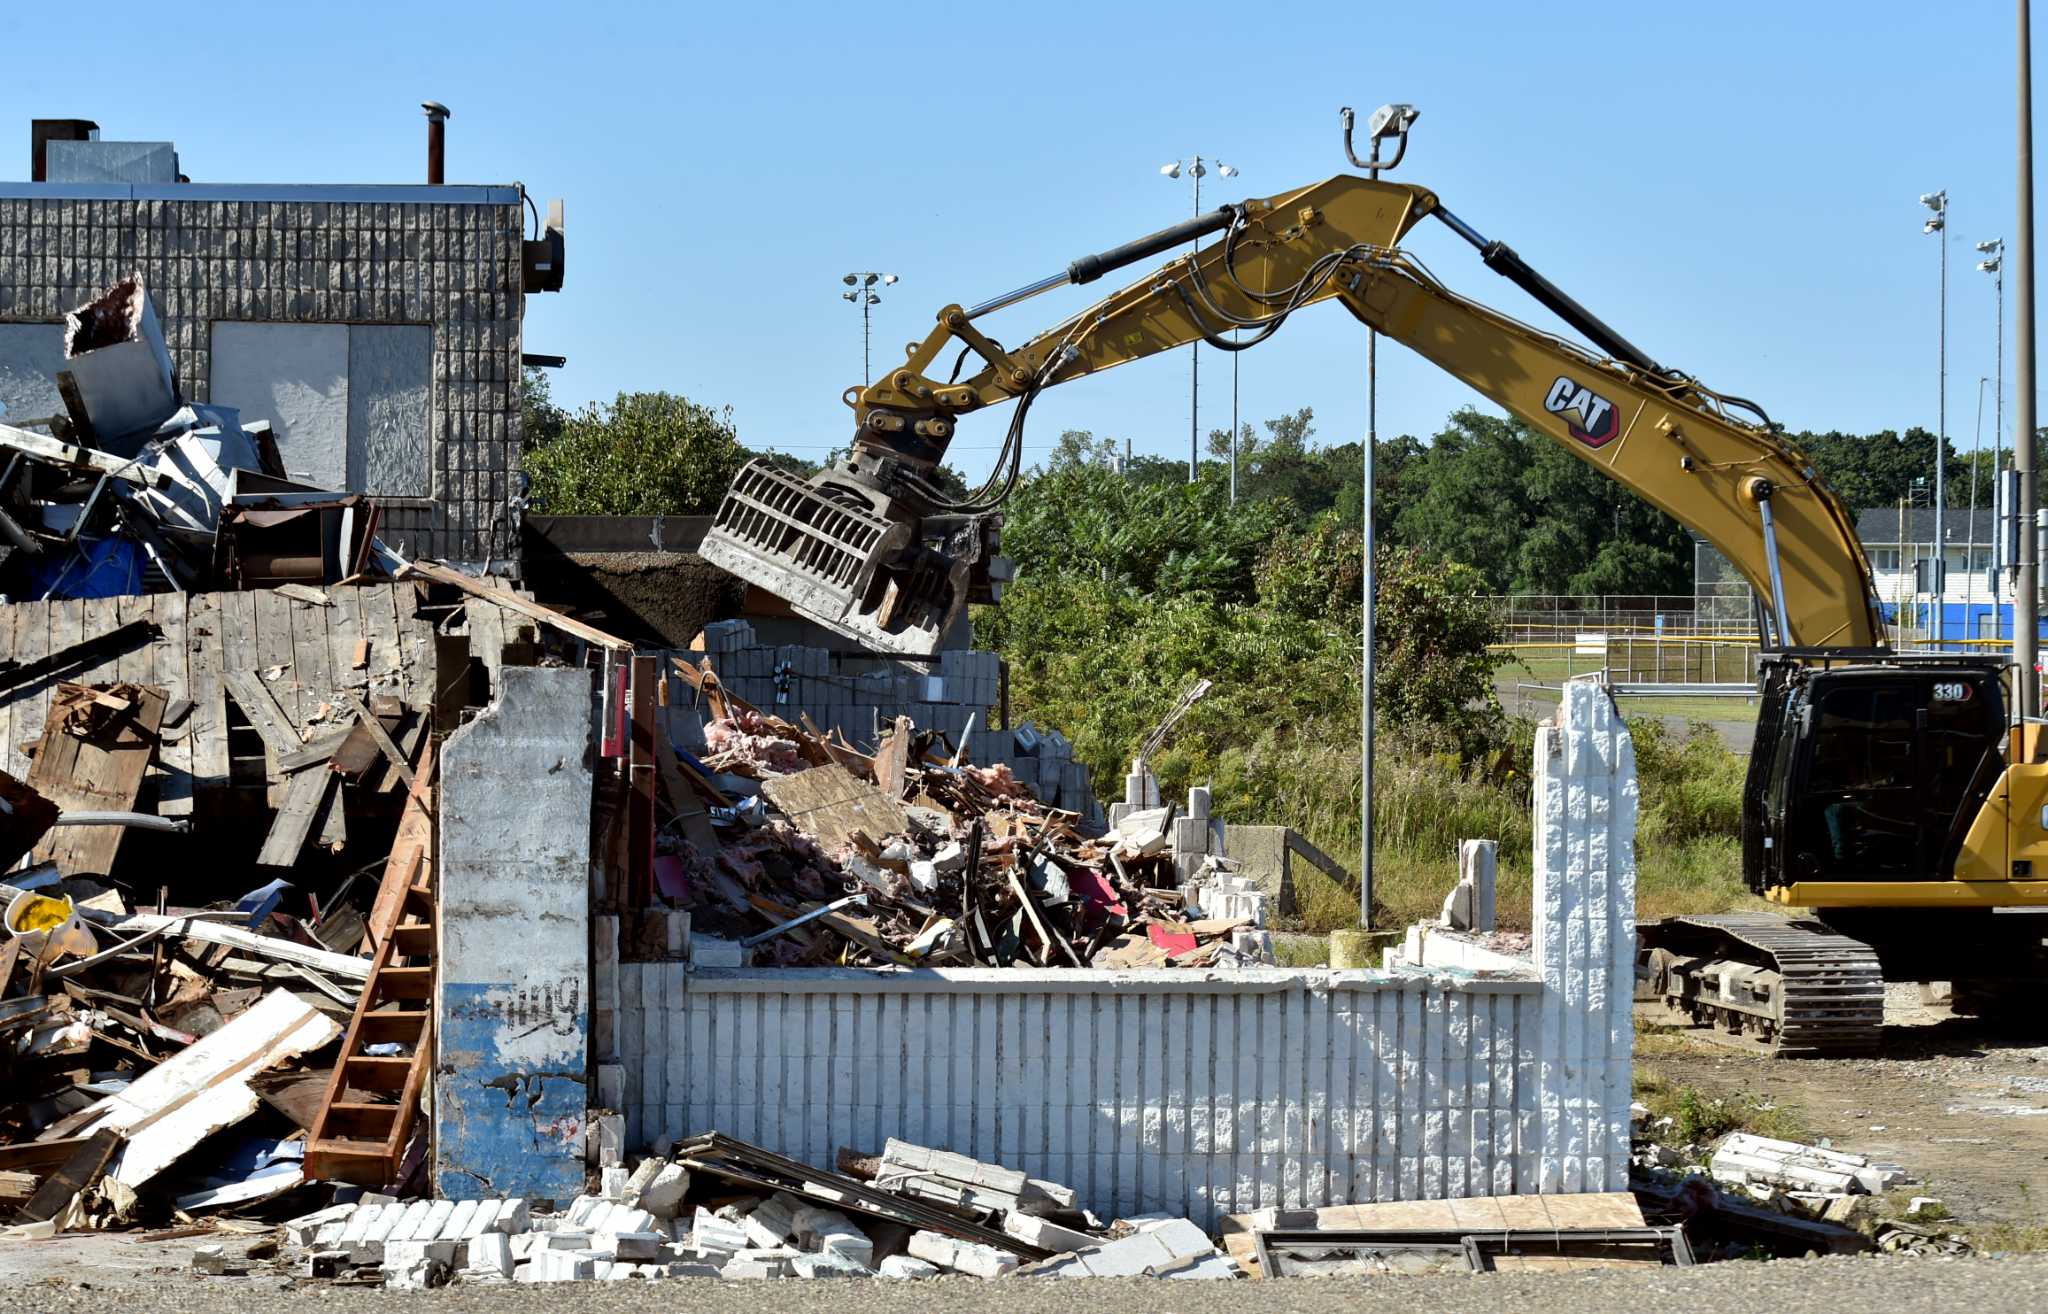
{"points": [[829, 805], [861, 931], [260, 706], [306, 810], [28, 817], [892, 759], [683, 799], [511, 601], [79, 1173], [203, 1088], [378, 727], [99, 773], [303, 593]]}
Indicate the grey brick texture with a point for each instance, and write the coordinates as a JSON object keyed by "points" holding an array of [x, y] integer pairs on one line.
{"points": [[455, 267]]}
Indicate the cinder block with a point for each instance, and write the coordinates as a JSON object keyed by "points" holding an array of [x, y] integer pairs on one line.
{"points": [[1047, 1235], [961, 1256], [907, 1268], [637, 1247], [776, 1262], [773, 1221], [491, 1253]]}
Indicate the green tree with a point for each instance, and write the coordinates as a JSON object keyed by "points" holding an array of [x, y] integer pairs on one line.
{"points": [[647, 453], [540, 420], [1468, 500]]}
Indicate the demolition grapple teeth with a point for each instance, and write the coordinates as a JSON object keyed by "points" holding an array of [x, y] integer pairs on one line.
{"points": [[845, 556]]}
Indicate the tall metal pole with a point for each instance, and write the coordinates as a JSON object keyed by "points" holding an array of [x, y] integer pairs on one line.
{"points": [[1195, 363], [1941, 463], [1998, 401], [1367, 591], [1970, 552], [2026, 604], [867, 371]]}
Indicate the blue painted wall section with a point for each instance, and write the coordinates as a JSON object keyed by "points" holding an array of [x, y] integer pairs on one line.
{"points": [[511, 1089]]}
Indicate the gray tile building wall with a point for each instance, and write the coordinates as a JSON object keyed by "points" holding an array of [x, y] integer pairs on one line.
{"points": [[448, 258]]}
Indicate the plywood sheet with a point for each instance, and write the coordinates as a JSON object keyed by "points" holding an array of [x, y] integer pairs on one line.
{"points": [[829, 804]]}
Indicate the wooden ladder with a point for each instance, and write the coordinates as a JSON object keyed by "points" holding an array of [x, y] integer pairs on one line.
{"points": [[360, 1132]]}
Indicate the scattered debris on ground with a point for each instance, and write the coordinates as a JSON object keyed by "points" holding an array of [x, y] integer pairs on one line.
{"points": [[717, 1207], [1514, 1233], [1743, 1193]]}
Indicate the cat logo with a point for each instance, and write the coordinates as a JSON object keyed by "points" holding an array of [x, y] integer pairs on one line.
{"points": [[1588, 417]]}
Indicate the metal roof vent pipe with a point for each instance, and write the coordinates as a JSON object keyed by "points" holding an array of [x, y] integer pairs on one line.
{"points": [[437, 140]]}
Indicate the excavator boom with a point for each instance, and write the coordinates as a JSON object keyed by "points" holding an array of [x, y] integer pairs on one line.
{"points": [[872, 548]]}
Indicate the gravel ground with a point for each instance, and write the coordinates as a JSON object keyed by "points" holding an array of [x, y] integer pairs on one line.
{"points": [[1895, 1285], [1961, 1103]]}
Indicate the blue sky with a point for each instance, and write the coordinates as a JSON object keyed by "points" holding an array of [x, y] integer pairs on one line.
{"points": [[1732, 186]]}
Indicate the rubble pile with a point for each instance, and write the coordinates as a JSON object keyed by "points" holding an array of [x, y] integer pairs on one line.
{"points": [[135, 489], [176, 1060], [1785, 1196], [714, 1207], [913, 856]]}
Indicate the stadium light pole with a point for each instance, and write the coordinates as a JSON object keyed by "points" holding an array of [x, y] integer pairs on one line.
{"points": [[1195, 169], [861, 292], [1938, 226]]}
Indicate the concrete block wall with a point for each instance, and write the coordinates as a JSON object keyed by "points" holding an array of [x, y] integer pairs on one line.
{"points": [[861, 695], [1202, 1093], [1584, 937], [1193, 1092], [449, 258], [513, 973]]}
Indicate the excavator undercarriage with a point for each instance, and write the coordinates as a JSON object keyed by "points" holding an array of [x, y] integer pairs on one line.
{"points": [[1789, 987]]}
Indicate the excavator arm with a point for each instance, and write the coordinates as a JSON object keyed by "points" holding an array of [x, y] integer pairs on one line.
{"points": [[873, 548]]}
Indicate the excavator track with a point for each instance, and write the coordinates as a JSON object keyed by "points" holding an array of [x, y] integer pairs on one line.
{"points": [[1793, 988]]}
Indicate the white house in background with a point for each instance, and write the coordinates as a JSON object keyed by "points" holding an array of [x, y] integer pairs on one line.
{"points": [[1896, 541]]}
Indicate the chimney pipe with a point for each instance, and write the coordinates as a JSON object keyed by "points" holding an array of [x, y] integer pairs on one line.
{"points": [[437, 139]]}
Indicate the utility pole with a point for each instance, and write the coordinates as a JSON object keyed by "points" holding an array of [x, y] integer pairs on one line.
{"points": [[2026, 603]]}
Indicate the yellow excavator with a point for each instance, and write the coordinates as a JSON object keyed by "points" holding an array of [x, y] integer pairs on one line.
{"points": [[1889, 794]]}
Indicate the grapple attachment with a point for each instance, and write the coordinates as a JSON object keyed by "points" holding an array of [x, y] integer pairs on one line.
{"points": [[847, 557]]}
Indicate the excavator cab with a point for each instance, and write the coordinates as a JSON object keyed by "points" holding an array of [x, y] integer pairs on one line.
{"points": [[1872, 772]]}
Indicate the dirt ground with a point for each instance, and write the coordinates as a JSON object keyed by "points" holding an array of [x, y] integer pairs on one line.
{"points": [[1961, 1103]]}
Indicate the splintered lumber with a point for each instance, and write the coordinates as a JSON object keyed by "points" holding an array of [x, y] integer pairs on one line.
{"points": [[683, 798], [380, 735], [859, 930], [264, 712], [99, 770], [306, 808], [829, 804], [204, 1087], [79, 1173], [511, 601], [892, 759]]}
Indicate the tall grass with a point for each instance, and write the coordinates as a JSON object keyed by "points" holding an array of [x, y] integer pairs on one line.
{"points": [[1687, 840]]}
